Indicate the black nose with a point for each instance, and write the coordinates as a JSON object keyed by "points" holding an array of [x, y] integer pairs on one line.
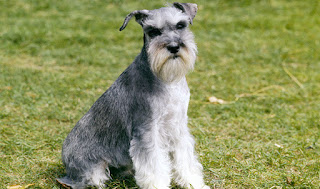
{"points": [[173, 48]]}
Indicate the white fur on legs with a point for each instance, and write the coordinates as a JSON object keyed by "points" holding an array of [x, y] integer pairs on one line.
{"points": [[151, 163], [97, 177], [187, 169]]}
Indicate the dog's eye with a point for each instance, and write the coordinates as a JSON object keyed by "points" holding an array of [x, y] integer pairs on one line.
{"points": [[180, 25], [154, 32]]}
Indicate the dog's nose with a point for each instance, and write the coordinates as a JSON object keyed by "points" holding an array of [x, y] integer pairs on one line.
{"points": [[173, 48]]}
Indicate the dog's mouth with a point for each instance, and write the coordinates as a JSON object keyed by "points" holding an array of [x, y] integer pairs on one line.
{"points": [[175, 56]]}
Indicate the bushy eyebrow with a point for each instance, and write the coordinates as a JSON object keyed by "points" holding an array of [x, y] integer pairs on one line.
{"points": [[172, 24]]}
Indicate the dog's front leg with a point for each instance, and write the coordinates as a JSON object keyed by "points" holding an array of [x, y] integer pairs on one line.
{"points": [[186, 168], [150, 161]]}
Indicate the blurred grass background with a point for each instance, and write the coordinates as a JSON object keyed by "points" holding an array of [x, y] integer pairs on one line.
{"points": [[260, 56]]}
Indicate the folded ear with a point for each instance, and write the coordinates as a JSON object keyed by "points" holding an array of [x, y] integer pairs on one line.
{"points": [[140, 15], [188, 8]]}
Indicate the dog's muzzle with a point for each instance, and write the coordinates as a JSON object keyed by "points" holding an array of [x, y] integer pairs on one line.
{"points": [[173, 48]]}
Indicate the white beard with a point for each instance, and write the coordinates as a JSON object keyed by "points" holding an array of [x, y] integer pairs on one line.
{"points": [[172, 68]]}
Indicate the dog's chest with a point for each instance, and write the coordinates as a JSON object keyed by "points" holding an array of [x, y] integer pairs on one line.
{"points": [[174, 101], [170, 111], [177, 96]]}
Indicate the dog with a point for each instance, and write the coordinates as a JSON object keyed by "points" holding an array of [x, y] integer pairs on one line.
{"points": [[139, 125]]}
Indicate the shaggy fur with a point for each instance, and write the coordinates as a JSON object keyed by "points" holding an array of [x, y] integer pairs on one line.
{"points": [[139, 125]]}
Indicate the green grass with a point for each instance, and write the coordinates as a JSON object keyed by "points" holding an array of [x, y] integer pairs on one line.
{"points": [[58, 57]]}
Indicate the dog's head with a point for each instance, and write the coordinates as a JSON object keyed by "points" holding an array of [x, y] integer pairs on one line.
{"points": [[169, 42]]}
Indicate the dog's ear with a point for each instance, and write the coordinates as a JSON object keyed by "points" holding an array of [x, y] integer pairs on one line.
{"points": [[188, 8], [140, 15]]}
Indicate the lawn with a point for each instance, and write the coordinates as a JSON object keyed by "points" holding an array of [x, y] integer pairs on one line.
{"points": [[261, 57]]}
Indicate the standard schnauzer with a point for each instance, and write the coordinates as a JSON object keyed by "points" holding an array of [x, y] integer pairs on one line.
{"points": [[139, 125]]}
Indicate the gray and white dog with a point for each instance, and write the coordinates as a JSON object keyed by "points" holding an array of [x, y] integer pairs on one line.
{"points": [[139, 124]]}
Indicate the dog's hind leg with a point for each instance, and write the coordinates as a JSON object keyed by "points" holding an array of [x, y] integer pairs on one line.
{"points": [[98, 175]]}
